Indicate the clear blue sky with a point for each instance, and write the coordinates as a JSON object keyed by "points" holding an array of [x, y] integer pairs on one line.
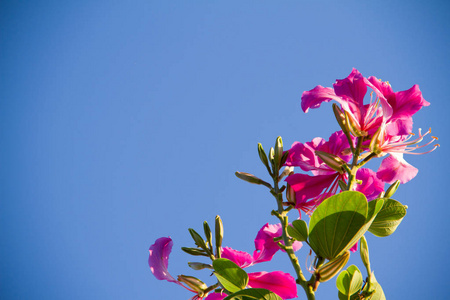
{"points": [[124, 121]]}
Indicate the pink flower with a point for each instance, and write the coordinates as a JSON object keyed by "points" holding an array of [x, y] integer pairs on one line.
{"points": [[278, 282], [310, 191], [395, 167], [158, 260], [350, 93]]}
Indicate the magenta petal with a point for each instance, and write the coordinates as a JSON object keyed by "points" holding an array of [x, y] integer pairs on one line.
{"points": [[307, 187], [158, 259], [315, 97], [354, 248], [265, 247], [371, 185], [352, 89], [216, 296], [395, 168], [406, 103], [280, 283], [241, 258], [303, 156]]}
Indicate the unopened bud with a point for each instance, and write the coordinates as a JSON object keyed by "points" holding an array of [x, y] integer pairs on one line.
{"points": [[340, 118], [353, 126], [199, 266], [198, 239], [364, 252], [376, 141], [334, 162], [194, 283], [252, 179], [208, 234], [278, 151], [263, 157], [331, 268], [290, 195], [195, 251], [392, 189], [219, 236]]}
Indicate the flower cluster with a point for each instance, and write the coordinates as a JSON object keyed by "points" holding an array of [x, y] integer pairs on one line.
{"points": [[343, 198], [283, 284], [378, 128]]}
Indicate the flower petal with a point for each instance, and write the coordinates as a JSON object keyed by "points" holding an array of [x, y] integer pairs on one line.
{"points": [[241, 258], [395, 168], [158, 259], [308, 187], [216, 296], [313, 98], [371, 185], [265, 247], [282, 284]]}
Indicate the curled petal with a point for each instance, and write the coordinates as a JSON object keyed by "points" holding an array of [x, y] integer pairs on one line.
{"points": [[265, 246], [352, 89], [158, 259], [395, 168], [371, 185], [241, 258], [280, 283], [303, 155], [319, 94]]}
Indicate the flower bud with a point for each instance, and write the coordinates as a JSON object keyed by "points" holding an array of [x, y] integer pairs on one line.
{"points": [[278, 151], [353, 126], [392, 189], [290, 195], [331, 268], [194, 251], [199, 266], [219, 236], [198, 239], [252, 179], [376, 141], [334, 162], [340, 118], [194, 283], [208, 234], [263, 157], [364, 252]]}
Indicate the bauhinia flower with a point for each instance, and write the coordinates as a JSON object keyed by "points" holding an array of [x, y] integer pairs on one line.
{"points": [[282, 284], [309, 191], [158, 261], [350, 93]]}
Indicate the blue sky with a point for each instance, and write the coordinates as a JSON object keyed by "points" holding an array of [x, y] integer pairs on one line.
{"points": [[121, 122]]}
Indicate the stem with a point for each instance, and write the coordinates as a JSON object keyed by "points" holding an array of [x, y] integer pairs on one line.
{"points": [[354, 166], [282, 216]]}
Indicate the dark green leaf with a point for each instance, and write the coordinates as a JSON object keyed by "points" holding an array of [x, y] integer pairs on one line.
{"points": [[254, 294], [230, 275], [388, 219], [298, 230]]}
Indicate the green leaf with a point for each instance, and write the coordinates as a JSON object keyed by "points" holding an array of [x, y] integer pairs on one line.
{"points": [[298, 230], [349, 282], [388, 219], [254, 294], [378, 294], [375, 292], [356, 279], [336, 222], [230, 275]]}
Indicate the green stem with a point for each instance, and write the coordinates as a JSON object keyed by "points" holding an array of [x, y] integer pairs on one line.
{"points": [[282, 215]]}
